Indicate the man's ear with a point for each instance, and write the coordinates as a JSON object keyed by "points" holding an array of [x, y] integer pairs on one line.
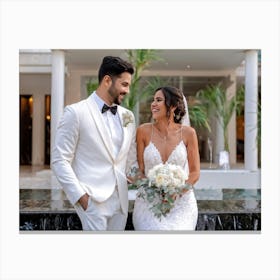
{"points": [[107, 80]]}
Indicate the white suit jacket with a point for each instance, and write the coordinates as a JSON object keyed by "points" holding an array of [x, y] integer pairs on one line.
{"points": [[82, 156]]}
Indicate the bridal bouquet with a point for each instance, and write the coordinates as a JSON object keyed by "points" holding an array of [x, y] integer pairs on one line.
{"points": [[164, 183]]}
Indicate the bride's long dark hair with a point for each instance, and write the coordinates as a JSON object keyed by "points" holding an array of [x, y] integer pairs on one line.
{"points": [[173, 98]]}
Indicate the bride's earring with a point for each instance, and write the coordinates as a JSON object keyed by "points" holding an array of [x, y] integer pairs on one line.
{"points": [[176, 117], [168, 116]]}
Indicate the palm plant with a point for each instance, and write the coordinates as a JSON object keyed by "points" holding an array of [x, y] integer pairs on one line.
{"points": [[151, 85], [217, 103], [240, 100], [198, 115], [140, 59], [91, 86]]}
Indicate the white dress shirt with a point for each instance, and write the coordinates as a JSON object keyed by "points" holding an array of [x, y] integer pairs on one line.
{"points": [[112, 123]]}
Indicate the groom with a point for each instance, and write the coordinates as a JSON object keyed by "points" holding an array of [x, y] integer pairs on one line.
{"points": [[94, 148]]}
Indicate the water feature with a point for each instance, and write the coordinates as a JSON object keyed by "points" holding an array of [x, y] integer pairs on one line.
{"points": [[206, 222], [219, 210]]}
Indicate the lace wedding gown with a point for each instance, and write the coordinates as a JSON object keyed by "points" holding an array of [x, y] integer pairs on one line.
{"points": [[183, 216]]}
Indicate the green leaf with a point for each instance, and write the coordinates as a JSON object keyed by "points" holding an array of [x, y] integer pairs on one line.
{"points": [[216, 103], [140, 59]]}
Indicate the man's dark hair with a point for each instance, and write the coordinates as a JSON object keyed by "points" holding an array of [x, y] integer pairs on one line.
{"points": [[113, 66]]}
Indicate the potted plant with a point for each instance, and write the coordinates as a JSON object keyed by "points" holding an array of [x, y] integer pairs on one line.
{"points": [[217, 103]]}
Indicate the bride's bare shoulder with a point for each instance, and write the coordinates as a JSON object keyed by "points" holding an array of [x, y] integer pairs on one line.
{"points": [[145, 126], [188, 131], [144, 130]]}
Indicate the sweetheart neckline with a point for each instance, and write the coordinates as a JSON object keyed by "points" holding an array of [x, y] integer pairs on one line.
{"points": [[151, 142]]}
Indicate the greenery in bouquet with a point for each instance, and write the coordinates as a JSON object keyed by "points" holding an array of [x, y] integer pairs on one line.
{"points": [[163, 185], [134, 176]]}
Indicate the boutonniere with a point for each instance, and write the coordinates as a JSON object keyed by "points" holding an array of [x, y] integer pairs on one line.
{"points": [[127, 118]]}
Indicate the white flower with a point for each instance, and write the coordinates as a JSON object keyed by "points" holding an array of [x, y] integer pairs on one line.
{"points": [[164, 183], [162, 180], [127, 118]]}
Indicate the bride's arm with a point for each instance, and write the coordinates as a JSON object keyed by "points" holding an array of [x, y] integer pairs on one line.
{"points": [[193, 155], [140, 140]]}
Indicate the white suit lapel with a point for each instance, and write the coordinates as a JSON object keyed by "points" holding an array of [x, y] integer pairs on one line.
{"points": [[99, 122], [122, 112]]}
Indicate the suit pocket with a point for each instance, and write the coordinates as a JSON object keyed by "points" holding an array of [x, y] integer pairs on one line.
{"points": [[88, 204]]}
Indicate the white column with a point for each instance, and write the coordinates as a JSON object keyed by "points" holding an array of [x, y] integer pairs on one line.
{"points": [[251, 110], [57, 94], [38, 130], [219, 140], [181, 83], [231, 91]]}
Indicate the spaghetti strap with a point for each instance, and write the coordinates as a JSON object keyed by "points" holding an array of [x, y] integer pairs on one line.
{"points": [[181, 133], [152, 134]]}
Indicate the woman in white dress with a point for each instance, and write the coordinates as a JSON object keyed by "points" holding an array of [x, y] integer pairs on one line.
{"points": [[168, 140]]}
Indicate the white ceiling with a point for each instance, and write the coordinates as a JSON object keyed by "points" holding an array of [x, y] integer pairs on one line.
{"points": [[215, 59], [198, 66]]}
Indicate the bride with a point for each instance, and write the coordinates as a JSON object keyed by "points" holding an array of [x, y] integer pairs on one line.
{"points": [[171, 140]]}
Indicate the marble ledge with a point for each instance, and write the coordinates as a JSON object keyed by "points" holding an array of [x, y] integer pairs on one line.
{"points": [[204, 206], [229, 179], [201, 194]]}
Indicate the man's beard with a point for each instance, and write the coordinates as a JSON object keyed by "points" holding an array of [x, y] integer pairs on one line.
{"points": [[116, 101], [113, 93]]}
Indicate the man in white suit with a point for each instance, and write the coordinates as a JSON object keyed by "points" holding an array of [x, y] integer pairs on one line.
{"points": [[95, 147]]}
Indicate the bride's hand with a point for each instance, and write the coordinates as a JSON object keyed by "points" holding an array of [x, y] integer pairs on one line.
{"points": [[130, 180], [183, 192]]}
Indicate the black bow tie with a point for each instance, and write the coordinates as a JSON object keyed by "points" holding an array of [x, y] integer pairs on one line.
{"points": [[113, 109]]}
